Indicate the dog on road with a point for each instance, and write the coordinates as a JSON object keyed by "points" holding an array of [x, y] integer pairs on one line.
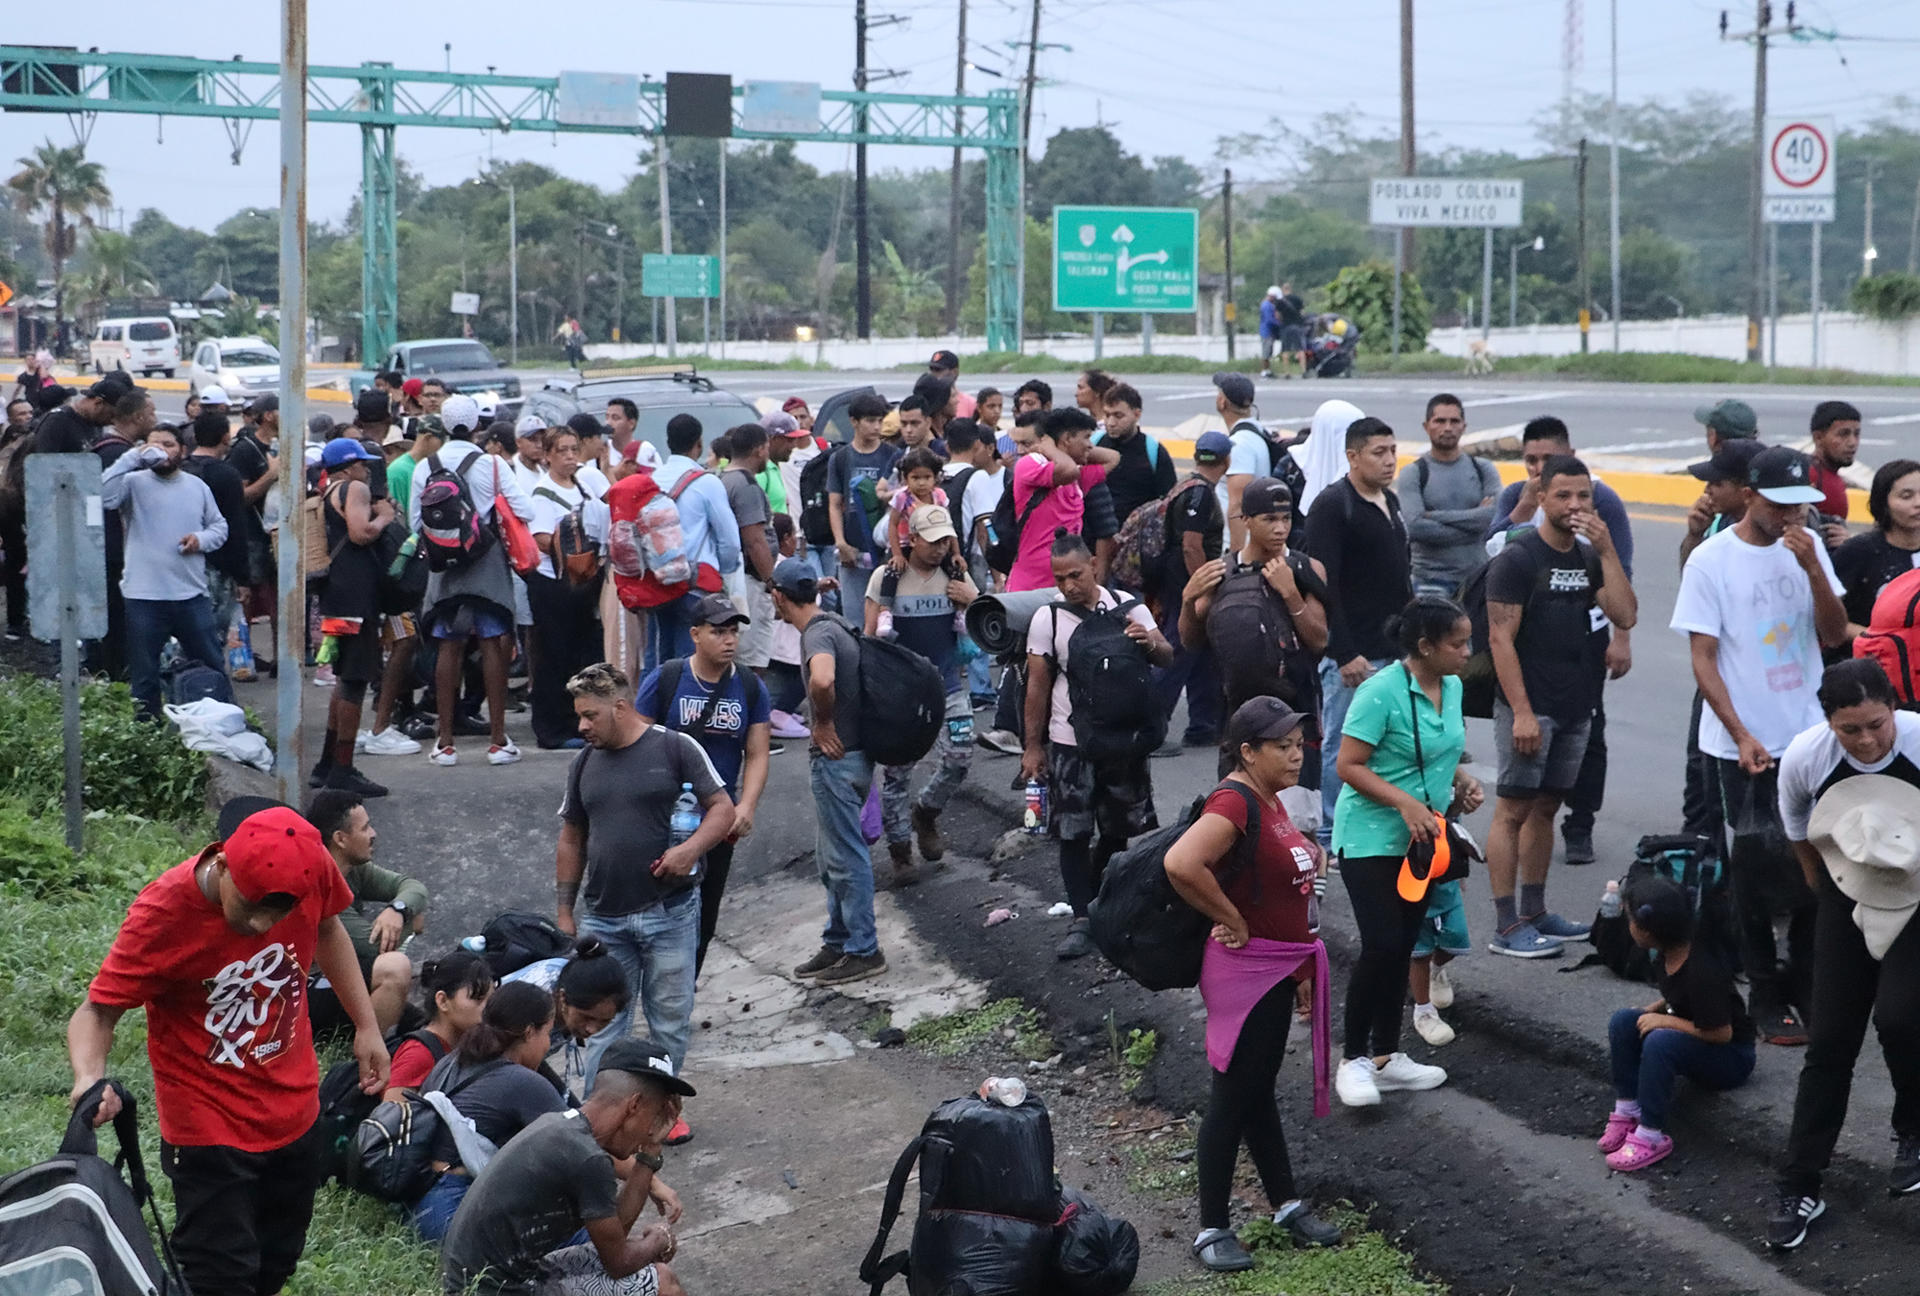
{"points": [[1479, 357]]}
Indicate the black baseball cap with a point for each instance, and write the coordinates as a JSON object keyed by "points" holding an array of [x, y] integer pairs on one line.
{"points": [[1783, 476], [373, 404], [717, 610], [1236, 387], [796, 580], [112, 387], [1729, 463], [238, 810], [1265, 495], [944, 360], [648, 1060], [1260, 719], [264, 403]]}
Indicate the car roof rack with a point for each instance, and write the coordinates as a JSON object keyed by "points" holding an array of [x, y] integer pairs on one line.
{"points": [[675, 373]]}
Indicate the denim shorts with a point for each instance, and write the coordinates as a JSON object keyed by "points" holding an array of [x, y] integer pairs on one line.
{"points": [[1445, 926], [1553, 769]]}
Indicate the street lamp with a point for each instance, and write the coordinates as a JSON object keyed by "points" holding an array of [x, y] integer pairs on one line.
{"points": [[1513, 276], [1867, 258]]}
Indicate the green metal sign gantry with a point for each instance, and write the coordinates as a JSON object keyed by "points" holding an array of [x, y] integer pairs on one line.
{"points": [[379, 98]]}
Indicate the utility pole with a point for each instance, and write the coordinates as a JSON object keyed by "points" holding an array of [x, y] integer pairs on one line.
{"points": [[862, 266], [1026, 92], [1756, 298], [1409, 248], [513, 279], [954, 277], [662, 160], [1582, 270], [289, 639], [1226, 213], [1613, 169], [1913, 233], [1868, 253]]}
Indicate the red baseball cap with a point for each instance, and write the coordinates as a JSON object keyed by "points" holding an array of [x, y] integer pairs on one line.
{"points": [[275, 852], [793, 403], [411, 387]]}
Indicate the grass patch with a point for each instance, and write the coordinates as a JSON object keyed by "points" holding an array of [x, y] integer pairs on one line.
{"points": [[700, 361], [132, 766], [1638, 367], [1007, 1023], [1366, 1264], [1162, 1167]]}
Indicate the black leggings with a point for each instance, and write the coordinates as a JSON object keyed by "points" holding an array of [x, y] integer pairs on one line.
{"points": [[1389, 926], [1241, 1106]]}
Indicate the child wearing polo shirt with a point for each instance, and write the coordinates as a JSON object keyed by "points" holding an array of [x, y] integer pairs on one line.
{"points": [[217, 950]]}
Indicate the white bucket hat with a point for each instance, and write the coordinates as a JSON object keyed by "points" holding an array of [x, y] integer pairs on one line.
{"points": [[1867, 830]]}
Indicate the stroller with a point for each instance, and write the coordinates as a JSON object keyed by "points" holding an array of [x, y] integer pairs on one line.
{"points": [[1330, 353]]}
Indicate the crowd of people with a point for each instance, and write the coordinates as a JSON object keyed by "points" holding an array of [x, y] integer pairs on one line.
{"points": [[1328, 615]]}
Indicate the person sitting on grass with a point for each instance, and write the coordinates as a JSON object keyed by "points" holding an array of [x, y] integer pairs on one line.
{"points": [[456, 985], [1698, 1029], [515, 1232]]}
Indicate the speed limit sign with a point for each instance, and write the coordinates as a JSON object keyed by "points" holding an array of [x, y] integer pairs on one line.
{"points": [[1799, 157]]}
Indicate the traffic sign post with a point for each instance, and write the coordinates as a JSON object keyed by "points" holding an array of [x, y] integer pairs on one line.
{"points": [[666, 274], [1797, 188], [1446, 202], [1131, 260], [67, 587]]}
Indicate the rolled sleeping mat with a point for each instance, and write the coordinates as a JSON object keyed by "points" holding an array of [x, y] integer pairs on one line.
{"points": [[998, 622]]}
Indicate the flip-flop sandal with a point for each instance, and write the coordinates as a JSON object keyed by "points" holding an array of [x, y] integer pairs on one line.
{"points": [[1220, 1251], [1638, 1153]]}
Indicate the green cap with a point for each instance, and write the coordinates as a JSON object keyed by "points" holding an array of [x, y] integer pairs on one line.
{"points": [[1730, 418]]}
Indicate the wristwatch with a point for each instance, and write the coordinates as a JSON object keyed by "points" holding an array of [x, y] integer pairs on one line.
{"points": [[399, 907], [651, 1160]]}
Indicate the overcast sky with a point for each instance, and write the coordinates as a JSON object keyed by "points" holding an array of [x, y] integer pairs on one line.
{"points": [[1169, 76]]}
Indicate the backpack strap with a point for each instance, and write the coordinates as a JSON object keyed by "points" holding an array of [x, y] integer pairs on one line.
{"points": [[873, 1270], [81, 1140], [1247, 850], [435, 1046], [670, 671], [680, 486]]}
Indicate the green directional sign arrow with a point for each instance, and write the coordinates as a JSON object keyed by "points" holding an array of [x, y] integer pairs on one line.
{"points": [[679, 275], [1126, 259]]}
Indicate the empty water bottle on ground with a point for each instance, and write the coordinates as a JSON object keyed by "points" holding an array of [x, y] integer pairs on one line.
{"points": [[1610, 902], [1036, 812]]}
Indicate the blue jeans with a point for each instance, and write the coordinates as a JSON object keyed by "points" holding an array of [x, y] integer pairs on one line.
{"points": [[980, 676], [1645, 1066], [670, 629], [1335, 698], [846, 868], [658, 947], [150, 623], [433, 1214]]}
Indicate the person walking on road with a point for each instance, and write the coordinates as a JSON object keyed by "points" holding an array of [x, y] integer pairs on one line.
{"points": [[1244, 865], [1757, 602], [841, 773], [1542, 592], [1400, 764], [1845, 785], [1446, 496], [642, 890]]}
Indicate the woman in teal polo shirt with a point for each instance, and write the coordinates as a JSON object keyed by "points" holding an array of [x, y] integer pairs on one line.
{"points": [[1399, 761]]}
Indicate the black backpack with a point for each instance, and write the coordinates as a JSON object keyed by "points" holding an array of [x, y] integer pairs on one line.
{"points": [[1266, 656], [343, 1105], [989, 1202], [1478, 685], [391, 1156], [903, 701], [404, 569], [515, 939], [1110, 686], [187, 681], [814, 504], [72, 1223], [1140, 923], [451, 525], [1003, 532], [1692, 863]]}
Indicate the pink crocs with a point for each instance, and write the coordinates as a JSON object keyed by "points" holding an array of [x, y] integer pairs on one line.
{"points": [[1618, 1127], [1639, 1152]]}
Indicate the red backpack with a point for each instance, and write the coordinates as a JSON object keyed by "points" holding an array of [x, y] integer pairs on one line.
{"points": [[646, 545], [1892, 638]]}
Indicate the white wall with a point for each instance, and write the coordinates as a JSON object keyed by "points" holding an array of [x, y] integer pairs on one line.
{"points": [[1847, 341]]}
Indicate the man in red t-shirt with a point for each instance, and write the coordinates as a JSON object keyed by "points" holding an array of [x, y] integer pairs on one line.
{"points": [[1836, 441], [217, 950]]}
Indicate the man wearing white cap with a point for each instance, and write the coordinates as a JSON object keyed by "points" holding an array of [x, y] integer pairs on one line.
{"points": [[1850, 803], [214, 397], [530, 450]]}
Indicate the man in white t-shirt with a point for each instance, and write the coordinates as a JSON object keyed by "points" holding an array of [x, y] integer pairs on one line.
{"points": [[1251, 457], [1758, 601]]}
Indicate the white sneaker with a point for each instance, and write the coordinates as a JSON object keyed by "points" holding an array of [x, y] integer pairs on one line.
{"points": [[1440, 989], [503, 755], [1356, 1084], [360, 739], [389, 742], [1432, 1029], [444, 756], [1402, 1072]]}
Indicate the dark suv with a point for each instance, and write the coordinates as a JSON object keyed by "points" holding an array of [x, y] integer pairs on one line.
{"points": [[658, 396]]}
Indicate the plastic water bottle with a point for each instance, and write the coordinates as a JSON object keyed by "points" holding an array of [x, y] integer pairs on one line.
{"points": [[474, 944], [1610, 902], [1008, 1091], [1036, 814], [685, 820]]}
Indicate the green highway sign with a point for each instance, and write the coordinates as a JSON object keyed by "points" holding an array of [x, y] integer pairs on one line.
{"points": [[1126, 259], [674, 275]]}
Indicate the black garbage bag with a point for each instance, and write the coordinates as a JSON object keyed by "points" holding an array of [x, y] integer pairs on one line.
{"points": [[1093, 1253], [968, 1253]]}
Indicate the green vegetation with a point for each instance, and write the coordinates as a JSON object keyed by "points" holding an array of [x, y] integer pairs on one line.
{"points": [[1366, 1264], [1163, 1167], [1364, 294], [990, 1023], [146, 795], [1891, 296]]}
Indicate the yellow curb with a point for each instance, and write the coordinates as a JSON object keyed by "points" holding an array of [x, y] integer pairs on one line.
{"points": [[180, 384]]}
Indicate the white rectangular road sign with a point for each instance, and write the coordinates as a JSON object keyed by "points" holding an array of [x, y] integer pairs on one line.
{"points": [[1800, 159], [1798, 211], [465, 303], [1445, 201]]}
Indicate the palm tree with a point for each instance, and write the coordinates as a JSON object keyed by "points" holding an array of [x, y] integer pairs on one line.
{"points": [[114, 267], [62, 181]]}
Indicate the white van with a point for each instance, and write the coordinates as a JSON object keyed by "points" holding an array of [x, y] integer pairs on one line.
{"points": [[148, 344]]}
